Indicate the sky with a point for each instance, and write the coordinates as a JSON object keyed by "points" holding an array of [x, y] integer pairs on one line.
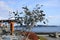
{"points": [[51, 8]]}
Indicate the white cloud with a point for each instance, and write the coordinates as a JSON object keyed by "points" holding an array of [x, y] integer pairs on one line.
{"points": [[1, 18], [54, 17], [4, 9], [4, 6], [51, 3], [53, 20]]}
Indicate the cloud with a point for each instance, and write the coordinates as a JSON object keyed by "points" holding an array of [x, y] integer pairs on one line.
{"points": [[54, 17], [53, 20], [4, 6], [4, 10], [1, 18], [51, 3]]}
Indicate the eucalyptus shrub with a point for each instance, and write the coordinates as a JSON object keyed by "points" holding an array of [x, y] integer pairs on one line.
{"points": [[31, 17]]}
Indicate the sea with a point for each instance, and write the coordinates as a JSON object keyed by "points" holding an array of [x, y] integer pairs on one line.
{"points": [[41, 29]]}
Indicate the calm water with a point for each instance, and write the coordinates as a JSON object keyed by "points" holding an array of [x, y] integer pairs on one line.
{"points": [[46, 29], [42, 29]]}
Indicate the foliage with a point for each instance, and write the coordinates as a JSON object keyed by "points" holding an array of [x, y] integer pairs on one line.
{"points": [[31, 17]]}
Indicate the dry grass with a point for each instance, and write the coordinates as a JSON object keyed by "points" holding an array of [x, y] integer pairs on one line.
{"points": [[42, 38]]}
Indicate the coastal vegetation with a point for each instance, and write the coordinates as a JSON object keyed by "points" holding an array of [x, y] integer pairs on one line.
{"points": [[30, 18]]}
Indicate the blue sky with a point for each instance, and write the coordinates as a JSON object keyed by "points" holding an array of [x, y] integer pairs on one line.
{"points": [[51, 8]]}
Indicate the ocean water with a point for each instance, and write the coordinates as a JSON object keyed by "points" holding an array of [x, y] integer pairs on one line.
{"points": [[42, 29], [46, 29]]}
